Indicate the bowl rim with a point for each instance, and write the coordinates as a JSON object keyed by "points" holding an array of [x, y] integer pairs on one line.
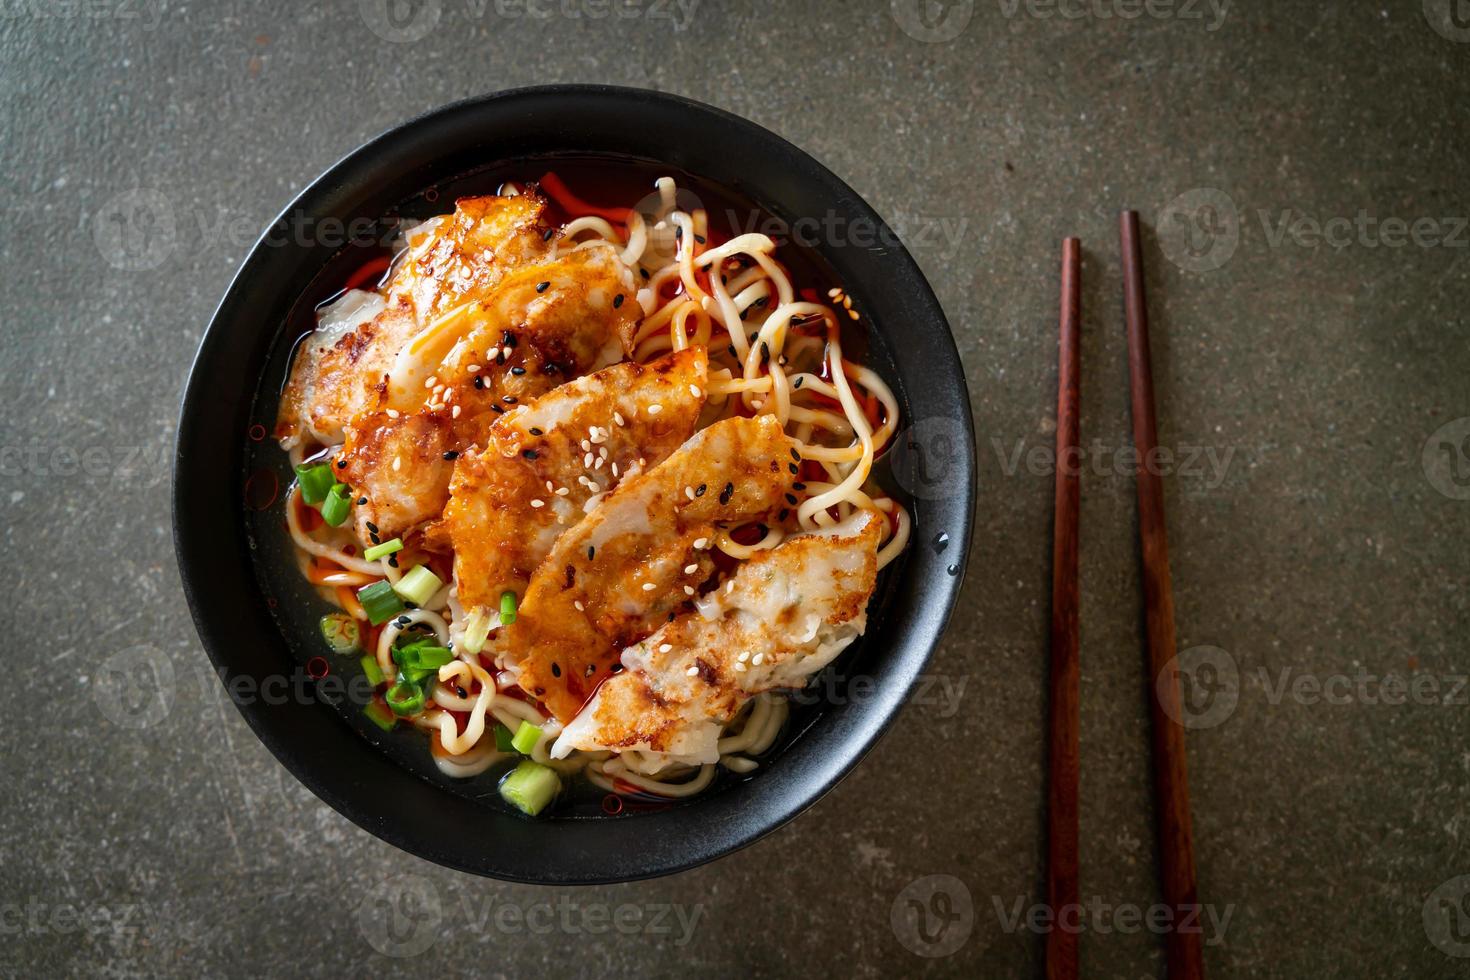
{"points": [[217, 617]]}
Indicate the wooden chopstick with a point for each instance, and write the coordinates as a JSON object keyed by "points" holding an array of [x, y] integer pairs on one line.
{"points": [[1062, 812], [1171, 783]]}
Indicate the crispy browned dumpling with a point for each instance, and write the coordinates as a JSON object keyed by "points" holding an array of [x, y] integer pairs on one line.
{"points": [[784, 615], [545, 324], [339, 370], [641, 555], [544, 461]]}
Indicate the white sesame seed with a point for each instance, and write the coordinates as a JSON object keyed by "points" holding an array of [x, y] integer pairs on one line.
{"points": [[701, 543], [730, 586], [430, 381], [393, 413], [578, 604], [757, 659], [615, 469], [740, 667], [562, 491], [665, 647], [549, 487], [538, 503], [587, 460], [692, 672], [655, 408], [618, 418], [694, 390], [397, 462], [743, 656], [586, 445], [600, 460], [455, 413], [689, 492], [649, 586], [473, 369], [688, 590], [853, 314], [691, 568], [834, 292], [642, 461]]}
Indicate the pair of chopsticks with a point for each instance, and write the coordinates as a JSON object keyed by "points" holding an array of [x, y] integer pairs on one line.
{"points": [[1171, 785]]}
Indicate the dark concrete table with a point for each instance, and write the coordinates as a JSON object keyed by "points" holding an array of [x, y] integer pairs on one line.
{"points": [[1306, 169]]}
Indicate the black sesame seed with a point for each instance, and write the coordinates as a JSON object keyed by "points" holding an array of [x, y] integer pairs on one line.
{"points": [[699, 239], [534, 431], [541, 287], [644, 272], [727, 493], [530, 453], [507, 339], [791, 499], [763, 301], [461, 691], [617, 300], [498, 409], [509, 399], [549, 233], [373, 537], [798, 382], [796, 455], [518, 370], [551, 368], [372, 528], [556, 670], [452, 454], [782, 515], [798, 486], [591, 552], [479, 383], [699, 490], [793, 468], [393, 561], [341, 464], [731, 349], [362, 501], [615, 668], [765, 352]]}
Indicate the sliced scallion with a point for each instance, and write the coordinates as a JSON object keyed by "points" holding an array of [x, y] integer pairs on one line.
{"points": [[380, 602], [340, 631], [526, 737], [371, 670], [507, 607], [503, 739], [530, 787], [419, 585], [316, 480], [337, 505], [383, 550], [405, 697], [380, 715]]}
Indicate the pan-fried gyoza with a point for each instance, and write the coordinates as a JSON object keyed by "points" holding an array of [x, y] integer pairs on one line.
{"points": [[590, 488]]}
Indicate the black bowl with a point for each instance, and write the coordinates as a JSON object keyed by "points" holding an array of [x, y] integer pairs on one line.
{"points": [[932, 467]]}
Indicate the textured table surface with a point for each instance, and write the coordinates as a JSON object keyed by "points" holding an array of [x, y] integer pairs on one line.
{"points": [[1305, 168]]}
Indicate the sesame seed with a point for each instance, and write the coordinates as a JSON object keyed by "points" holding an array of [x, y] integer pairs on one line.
{"points": [[665, 647], [397, 463], [688, 590], [694, 391], [834, 292], [518, 371], [578, 604], [586, 445], [691, 568], [692, 672], [617, 300], [701, 543], [615, 469], [541, 286], [591, 551], [535, 431], [655, 408], [699, 490], [798, 382], [393, 413], [757, 658], [455, 412], [538, 503], [473, 369], [649, 586], [853, 314], [743, 657], [618, 418], [530, 453], [587, 460], [451, 454], [689, 492], [598, 464], [740, 667], [791, 499]]}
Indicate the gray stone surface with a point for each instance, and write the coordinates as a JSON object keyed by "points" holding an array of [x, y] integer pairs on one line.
{"points": [[1321, 534]]}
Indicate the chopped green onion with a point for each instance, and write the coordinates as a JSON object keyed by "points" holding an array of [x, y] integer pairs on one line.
{"points": [[405, 697], [421, 656], [526, 738], [379, 715], [419, 585], [380, 602], [337, 505], [503, 739], [315, 480], [340, 631], [383, 550], [417, 675], [371, 670], [476, 631], [530, 787], [507, 607]]}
